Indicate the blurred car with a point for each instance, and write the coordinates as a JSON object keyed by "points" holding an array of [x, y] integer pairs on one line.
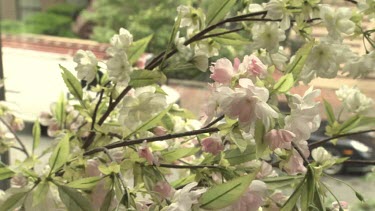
{"points": [[356, 147]]}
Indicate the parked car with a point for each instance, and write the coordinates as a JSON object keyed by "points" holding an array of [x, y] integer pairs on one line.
{"points": [[356, 147]]}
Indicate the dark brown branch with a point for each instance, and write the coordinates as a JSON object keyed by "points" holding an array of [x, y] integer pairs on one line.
{"points": [[96, 109], [321, 142], [150, 139], [359, 162], [111, 107], [352, 1], [214, 122], [222, 33], [300, 153]]}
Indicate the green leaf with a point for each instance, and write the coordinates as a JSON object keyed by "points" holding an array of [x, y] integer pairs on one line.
{"points": [[284, 84], [261, 145], [365, 123], [350, 124], [176, 154], [13, 201], [219, 10], [229, 38], [74, 86], [85, 183], [152, 122], [236, 136], [73, 199], [359, 196], [137, 49], [6, 173], [309, 190], [292, 200], [36, 135], [60, 154], [139, 78], [299, 60], [329, 112], [175, 28], [281, 181], [222, 195], [183, 181], [235, 156], [40, 192], [107, 200], [60, 110]]}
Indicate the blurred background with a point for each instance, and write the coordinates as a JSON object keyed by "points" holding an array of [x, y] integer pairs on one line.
{"points": [[38, 35]]}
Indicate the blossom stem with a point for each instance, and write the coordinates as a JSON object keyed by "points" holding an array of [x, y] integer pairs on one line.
{"points": [[369, 162], [334, 196], [125, 143], [111, 107], [321, 142], [24, 150], [96, 109]]}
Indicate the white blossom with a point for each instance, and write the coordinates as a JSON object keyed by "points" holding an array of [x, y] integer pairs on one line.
{"points": [[119, 68], [86, 65], [354, 100], [267, 35], [184, 198], [360, 66], [337, 20], [122, 40], [277, 9], [321, 155]]}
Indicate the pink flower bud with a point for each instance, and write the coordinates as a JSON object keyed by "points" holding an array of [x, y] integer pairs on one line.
{"points": [[144, 152], [212, 145], [279, 139], [92, 169], [164, 189], [253, 66], [159, 131], [222, 71]]}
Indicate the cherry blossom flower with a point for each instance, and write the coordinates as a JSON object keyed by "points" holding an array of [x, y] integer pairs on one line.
{"points": [[144, 152], [354, 100], [265, 171], [279, 139], [267, 35], [164, 189], [344, 205], [253, 66], [212, 144], [295, 164], [184, 198], [86, 65], [222, 71]]}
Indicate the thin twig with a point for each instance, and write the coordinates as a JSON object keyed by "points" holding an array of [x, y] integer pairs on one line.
{"points": [[359, 162], [214, 122], [186, 166], [150, 139], [16, 137], [321, 142], [221, 33], [111, 107], [96, 109], [352, 1], [300, 153]]}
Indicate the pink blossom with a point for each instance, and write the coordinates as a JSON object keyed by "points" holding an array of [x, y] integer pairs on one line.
{"points": [[279, 139], [253, 66], [222, 71], [295, 164], [212, 145], [144, 151], [265, 170], [159, 131], [92, 168], [164, 189], [277, 198], [336, 206]]}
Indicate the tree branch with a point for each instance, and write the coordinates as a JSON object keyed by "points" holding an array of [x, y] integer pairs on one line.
{"points": [[24, 150], [150, 139], [300, 153], [186, 166], [96, 109], [352, 1], [321, 142]]}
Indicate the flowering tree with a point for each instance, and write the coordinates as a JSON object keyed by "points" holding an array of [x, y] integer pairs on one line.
{"points": [[122, 143]]}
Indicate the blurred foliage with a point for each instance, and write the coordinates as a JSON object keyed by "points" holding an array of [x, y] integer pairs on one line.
{"points": [[56, 21]]}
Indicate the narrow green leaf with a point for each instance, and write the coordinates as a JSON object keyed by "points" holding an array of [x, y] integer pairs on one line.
{"points": [[365, 123], [292, 200], [219, 10], [60, 110], [40, 192], [176, 154], [137, 49], [281, 181], [152, 122], [235, 156], [183, 181], [299, 61], [13, 201], [225, 194], [139, 78], [261, 145], [60, 154], [284, 84], [72, 83], [175, 28], [329, 112], [107, 201], [6, 173], [73, 199], [36, 135], [236, 136], [318, 201], [350, 124], [85, 183]]}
